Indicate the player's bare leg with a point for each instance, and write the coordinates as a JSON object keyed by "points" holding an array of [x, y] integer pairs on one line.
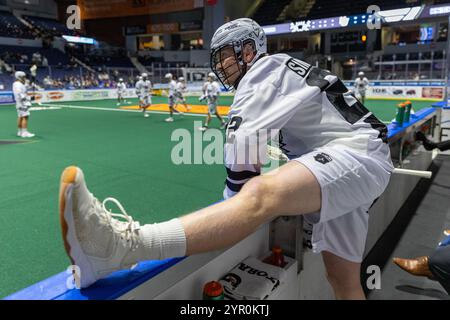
{"points": [[222, 122], [344, 277], [291, 190], [188, 108], [176, 110], [206, 125], [170, 118], [146, 115], [25, 132], [19, 126]]}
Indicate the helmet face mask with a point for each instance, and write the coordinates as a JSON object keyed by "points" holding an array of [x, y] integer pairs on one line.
{"points": [[228, 63], [230, 48]]}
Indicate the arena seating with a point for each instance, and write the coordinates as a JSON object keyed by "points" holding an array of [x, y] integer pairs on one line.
{"points": [[49, 26], [13, 55], [11, 27]]}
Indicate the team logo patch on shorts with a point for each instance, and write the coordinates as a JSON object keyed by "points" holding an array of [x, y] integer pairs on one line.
{"points": [[323, 158]]}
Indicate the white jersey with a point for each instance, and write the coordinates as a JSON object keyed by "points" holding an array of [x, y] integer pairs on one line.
{"points": [[361, 85], [121, 88], [172, 88], [211, 90], [23, 101], [304, 108], [143, 88], [180, 88]]}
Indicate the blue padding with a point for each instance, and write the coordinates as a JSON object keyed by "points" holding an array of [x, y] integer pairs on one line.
{"points": [[394, 129], [112, 287], [441, 104]]}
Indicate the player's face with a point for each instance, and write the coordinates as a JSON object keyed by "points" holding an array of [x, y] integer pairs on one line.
{"points": [[227, 66]]}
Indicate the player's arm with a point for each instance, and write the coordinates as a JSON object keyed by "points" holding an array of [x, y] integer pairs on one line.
{"points": [[203, 96]]}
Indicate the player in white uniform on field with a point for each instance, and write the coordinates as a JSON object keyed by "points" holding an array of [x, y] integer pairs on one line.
{"points": [[180, 90], [143, 91], [171, 96], [23, 104], [340, 163], [211, 92], [121, 90], [361, 86]]}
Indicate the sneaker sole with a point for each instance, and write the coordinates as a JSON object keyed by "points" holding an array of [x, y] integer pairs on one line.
{"points": [[71, 243]]}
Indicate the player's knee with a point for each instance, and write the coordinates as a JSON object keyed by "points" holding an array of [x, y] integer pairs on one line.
{"points": [[257, 192]]}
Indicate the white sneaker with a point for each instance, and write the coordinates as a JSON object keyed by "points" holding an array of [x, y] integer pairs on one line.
{"points": [[96, 242], [27, 134], [19, 134], [146, 115], [118, 104], [170, 119], [203, 128]]}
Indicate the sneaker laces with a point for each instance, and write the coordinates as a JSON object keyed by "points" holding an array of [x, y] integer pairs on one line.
{"points": [[128, 228]]}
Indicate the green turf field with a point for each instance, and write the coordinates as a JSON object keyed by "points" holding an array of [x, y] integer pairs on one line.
{"points": [[122, 154]]}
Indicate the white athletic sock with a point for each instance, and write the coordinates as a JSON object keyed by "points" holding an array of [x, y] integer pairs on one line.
{"points": [[164, 240]]}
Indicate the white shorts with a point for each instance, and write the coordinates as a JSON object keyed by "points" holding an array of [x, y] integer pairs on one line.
{"points": [[145, 101], [180, 97], [350, 183], [212, 107], [22, 112]]}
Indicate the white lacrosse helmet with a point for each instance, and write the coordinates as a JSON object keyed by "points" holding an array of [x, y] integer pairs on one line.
{"points": [[361, 74], [212, 75], [144, 75], [139, 77], [120, 80], [236, 34], [180, 79], [19, 75], [168, 76]]}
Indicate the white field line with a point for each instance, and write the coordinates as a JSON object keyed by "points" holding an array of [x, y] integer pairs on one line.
{"points": [[122, 110]]}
